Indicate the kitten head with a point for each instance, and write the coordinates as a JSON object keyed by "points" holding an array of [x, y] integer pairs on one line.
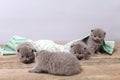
{"points": [[26, 54], [79, 49], [97, 35]]}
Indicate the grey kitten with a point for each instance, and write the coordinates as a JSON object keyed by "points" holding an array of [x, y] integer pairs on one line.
{"points": [[25, 52], [80, 50], [95, 40], [57, 63]]}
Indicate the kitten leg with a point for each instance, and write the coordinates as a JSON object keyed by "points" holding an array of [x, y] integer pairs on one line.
{"points": [[92, 52], [98, 53], [35, 70], [86, 56]]}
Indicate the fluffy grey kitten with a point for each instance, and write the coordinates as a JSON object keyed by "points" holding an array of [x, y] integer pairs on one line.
{"points": [[58, 63], [25, 52], [95, 40], [80, 50]]}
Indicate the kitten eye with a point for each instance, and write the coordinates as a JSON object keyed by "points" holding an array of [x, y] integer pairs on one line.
{"points": [[84, 48], [18, 50], [74, 52], [71, 46], [32, 50], [94, 36], [27, 56], [104, 33], [22, 56], [79, 53], [92, 30]]}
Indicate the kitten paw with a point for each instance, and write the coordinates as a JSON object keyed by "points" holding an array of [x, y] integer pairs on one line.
{"points": [[34, 71], [98, 53], [31, 71], [93, 55]]}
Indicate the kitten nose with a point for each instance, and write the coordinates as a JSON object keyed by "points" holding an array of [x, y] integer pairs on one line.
{"points": [[27, 56], [97, 38], [25, 61]]}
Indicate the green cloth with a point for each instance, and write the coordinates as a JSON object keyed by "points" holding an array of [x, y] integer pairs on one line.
{"points": [[108, 46], [9, 48]]}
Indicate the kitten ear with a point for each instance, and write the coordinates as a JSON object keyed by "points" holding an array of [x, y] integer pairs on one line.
{"points": [[72, 45], [18, 50], [104, 33], [33, 50], [92, 30]]}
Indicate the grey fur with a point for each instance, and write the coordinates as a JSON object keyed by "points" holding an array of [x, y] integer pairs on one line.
{"points": [[25, 52], [58, 63], [95, 40], [80, 50]]}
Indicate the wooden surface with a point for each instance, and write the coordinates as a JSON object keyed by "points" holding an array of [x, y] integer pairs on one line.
{"points": [[101, 67]]}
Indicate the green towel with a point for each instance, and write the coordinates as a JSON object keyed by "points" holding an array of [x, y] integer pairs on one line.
{"points": [[108, 46], [9, 48]]}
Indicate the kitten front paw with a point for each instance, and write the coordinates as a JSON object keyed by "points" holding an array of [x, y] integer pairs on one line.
{"points": [[98, 53], [31, 71], [34, 71], [94, 55]]}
